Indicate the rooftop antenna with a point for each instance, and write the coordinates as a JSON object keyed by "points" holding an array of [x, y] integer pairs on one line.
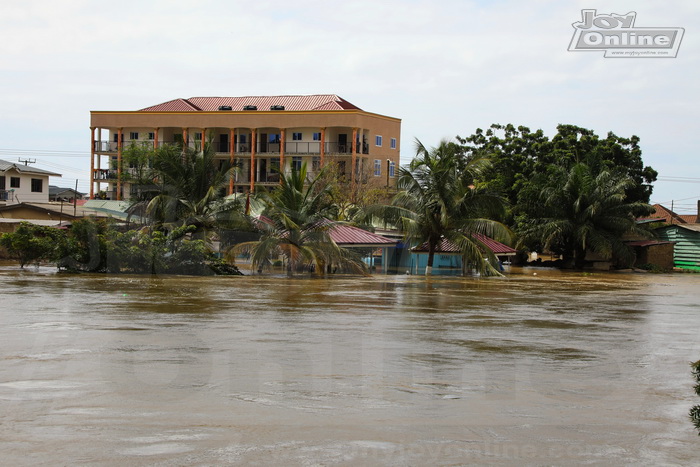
{"points": [[27, 161]]}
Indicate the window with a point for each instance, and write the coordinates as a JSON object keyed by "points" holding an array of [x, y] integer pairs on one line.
{"points": [[273, 138], [37, 185], [316, 164], [134, 135], [14, 182], [2, 182], [198, 136], [242, 139], [296, 162], [378, 140], [151, 136], [317, 136], [392, 169], [393, 143], [296, 136], [377, 167]]}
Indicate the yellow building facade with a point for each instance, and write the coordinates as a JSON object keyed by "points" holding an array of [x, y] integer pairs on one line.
{"points": [[262, 135]]}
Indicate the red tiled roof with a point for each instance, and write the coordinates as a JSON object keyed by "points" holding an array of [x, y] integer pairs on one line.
{"points": [[446, 246], [667, 215], [263, 103]]}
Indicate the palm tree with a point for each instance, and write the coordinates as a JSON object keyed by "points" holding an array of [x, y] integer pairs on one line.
{"points": [[587, 212], [436, 200], [294, 223], [190, 190]]}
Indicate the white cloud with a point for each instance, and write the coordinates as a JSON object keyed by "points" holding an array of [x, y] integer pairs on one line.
{"points": [[444, 67]]}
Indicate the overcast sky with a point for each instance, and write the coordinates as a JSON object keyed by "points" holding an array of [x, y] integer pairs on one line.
{"points": [[445, 67]]}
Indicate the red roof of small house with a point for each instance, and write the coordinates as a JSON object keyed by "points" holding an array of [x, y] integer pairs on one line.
{"points": [[263, 103], [446, 246], [347, 235]]}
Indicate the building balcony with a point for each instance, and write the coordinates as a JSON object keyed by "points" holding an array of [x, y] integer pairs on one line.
{"points": [[290, 147]]}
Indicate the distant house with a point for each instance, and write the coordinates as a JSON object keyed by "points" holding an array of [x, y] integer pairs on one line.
{"points": [[20, 183], [448, 257], [375, 246], [686, 237], [59, 194], [663, 214]]}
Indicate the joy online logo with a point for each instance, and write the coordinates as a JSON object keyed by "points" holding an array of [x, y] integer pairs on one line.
{"points": [[616, 35]]}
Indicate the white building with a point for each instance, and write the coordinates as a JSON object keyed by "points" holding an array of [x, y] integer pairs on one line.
{"points": [[20, 183]]}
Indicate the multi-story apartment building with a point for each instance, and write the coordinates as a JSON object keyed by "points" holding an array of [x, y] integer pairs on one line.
{"points": [[263, 135]]}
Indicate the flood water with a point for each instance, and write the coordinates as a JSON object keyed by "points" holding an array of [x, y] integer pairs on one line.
{"points": [[538, 368]]}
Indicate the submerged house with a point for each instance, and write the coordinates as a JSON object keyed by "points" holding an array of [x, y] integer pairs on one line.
{"points": [[448, 257]]}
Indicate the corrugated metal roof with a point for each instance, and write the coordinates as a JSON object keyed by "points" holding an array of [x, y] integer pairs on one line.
{"points": [[263, 103], [446, 246], [21, 168], [645, 243], [175, 105], [347, 235]]}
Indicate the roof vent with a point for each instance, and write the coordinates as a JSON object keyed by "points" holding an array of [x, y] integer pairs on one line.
{"points": [[224, 107], [277, 107], [250, 107]]}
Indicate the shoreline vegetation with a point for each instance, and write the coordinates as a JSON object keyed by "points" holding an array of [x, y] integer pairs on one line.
{"points": [[570, 195]]}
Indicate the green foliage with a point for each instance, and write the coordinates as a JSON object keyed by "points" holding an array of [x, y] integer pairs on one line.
{"points": [[436, 200], [521, 158], [294, 224], [578, 210], [99, 246], [568, 194], [190, 190], [695, 410], [33, 243]]}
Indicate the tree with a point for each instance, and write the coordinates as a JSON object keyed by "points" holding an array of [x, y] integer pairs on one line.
{"points": [[582, 211], [294, 223], [436, 200], [33, 243], [518, 155], [190, 190]]}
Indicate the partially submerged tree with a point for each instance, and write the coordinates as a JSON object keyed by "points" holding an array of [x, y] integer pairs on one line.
{"points": [[190, 190], [294, 224], [33, 243], [436, 200], [578, 211]]}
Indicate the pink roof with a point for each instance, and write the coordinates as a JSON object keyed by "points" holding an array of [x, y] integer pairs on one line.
{"points": [[263, 103], [446, 246], [347, 235]]}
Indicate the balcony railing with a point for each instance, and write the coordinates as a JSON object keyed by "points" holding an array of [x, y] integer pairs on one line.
{"points": [[290, 147]]}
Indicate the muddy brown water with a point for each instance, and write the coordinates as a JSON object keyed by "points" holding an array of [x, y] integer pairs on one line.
{"points": [[539, 368]]}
